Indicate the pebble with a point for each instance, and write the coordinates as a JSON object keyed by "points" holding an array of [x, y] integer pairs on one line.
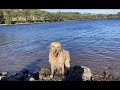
{"points": [[4, 73], [31, 79]]}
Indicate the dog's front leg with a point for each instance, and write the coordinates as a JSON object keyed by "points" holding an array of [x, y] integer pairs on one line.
{"points": [[63, 69], [52, 71]]}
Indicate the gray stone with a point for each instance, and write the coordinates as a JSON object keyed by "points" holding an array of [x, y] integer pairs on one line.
{"points": [[87, 75], [25, 71], [1, 77], [31, 79], [4, 73]]}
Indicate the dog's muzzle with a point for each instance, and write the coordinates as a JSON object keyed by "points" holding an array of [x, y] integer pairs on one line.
{"points": [[55, 53]]}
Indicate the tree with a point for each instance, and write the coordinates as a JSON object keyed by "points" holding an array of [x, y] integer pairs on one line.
{"points": [[9, 16], [8, 13], [1, 17], [118, 14]]}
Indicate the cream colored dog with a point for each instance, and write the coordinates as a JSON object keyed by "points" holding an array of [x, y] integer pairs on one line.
{"points": [[58, 58]]}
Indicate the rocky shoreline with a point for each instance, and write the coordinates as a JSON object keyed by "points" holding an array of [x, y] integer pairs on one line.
{"points": [[22, 23], [76, 73]]}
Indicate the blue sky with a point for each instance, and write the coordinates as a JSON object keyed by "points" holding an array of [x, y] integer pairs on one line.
{"points": [[104, 11]]}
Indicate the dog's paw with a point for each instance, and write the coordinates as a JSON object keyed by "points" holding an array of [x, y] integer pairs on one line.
{"points": [[51, 76]]}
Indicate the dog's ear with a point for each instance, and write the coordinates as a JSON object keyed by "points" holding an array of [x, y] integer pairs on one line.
{"points": [[60, 47]]}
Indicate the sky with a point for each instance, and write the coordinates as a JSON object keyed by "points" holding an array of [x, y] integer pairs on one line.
{"points": [[96, 11]]}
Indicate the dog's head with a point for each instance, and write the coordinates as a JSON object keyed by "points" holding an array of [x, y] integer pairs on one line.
{"points": [[55, 48]]}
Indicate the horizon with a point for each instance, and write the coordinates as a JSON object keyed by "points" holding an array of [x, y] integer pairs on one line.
{"points": [[82, 11]]}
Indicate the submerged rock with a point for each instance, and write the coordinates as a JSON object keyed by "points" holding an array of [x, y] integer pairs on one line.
{"points": [[19, 76], [9, 78], [23, 71]]}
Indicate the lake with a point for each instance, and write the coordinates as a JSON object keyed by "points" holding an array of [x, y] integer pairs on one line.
{"points": [[92, 43]]}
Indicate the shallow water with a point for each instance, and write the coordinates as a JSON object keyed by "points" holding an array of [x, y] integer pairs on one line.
{"points": [[92, 43]]}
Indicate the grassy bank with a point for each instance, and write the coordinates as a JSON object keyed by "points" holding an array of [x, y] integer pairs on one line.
{"points": [[46, 22], [20, 16]]}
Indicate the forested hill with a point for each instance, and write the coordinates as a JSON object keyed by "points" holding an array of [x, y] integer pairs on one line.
{"points": [[12, 16]]}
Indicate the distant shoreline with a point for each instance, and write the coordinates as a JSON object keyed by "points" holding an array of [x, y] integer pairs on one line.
{"points": [[52, 21]]}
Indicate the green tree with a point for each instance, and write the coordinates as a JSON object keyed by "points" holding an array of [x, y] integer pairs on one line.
{"points": [[118, 14], [9, 16], [1, 17]]}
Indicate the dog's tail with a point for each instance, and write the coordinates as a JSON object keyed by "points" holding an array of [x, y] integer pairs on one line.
{"points": [[67, 61], [66, 58]]}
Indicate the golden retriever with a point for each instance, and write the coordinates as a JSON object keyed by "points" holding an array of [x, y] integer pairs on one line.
{"points": [[58, 58]]}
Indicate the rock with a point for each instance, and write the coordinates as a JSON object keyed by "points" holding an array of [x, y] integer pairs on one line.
{"points": [[87, 75], [44, 75], [31, 79], [74, 74], [15, 74], [25, 71], [107, 73], [4, 73], [44, 72], [35, 75], [19, 77], [10, 78], [1, 77], [103, 76], [117, 79], [78, 73]]}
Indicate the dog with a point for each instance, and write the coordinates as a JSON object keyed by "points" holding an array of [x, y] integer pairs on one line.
{"points": [[58, 58]]}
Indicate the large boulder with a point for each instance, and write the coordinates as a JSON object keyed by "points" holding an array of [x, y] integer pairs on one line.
{"points": [[78, 73], [87, 75]]}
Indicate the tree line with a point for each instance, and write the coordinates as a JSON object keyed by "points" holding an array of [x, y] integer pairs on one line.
{"points": [[12, 16]]}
